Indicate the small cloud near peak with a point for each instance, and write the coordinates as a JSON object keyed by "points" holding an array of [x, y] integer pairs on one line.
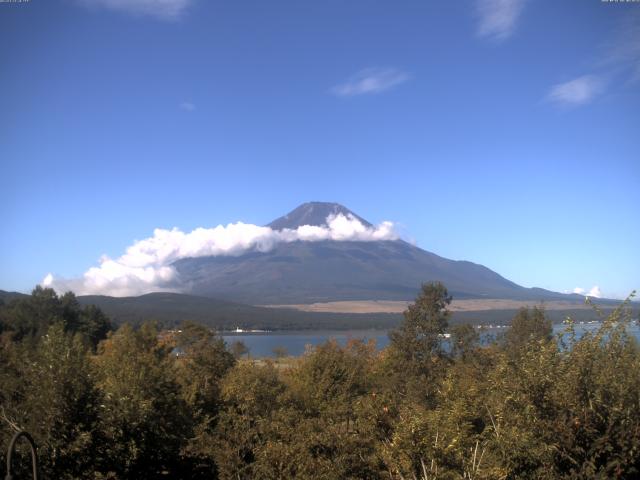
{"points": [[371, 81]]}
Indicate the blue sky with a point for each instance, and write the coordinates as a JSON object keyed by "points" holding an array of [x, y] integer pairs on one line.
{"points": [[505, 132]]}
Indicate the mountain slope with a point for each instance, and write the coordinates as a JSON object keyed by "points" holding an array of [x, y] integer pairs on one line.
{"points": [[307, 272]]}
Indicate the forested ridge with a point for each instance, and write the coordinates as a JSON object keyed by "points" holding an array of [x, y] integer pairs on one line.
{"points": [[106, 403]]}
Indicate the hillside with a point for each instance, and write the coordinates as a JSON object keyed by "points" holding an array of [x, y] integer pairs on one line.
{"points": [[171, 309], [6, 297]]}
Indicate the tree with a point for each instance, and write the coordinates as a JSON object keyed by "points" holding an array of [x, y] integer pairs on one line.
{"points": [[239, 349], [280, 351], [203, 355], [55, 399], [329, 379], [31, 317], [145, 418], [203, 362], [251, 396], [94, 324], [299, 422], [528, 326], [596, 430], [419, 336], [321, 433], [464, 340], [416, 356]]}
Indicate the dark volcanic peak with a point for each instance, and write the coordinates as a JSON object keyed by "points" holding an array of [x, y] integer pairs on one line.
{"points": [[313, 213]]}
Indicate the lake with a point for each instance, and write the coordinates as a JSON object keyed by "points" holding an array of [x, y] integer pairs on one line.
{"points": [[262, 344]]}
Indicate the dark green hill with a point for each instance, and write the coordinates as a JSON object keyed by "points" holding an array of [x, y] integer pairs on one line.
{"points": [[171, 309], [6, 297]]}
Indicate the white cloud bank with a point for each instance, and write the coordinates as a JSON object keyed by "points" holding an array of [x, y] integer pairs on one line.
{"points": [[576, 92], [498, 18], [161, 9], [594, 292], [146, 265], [371, 81]]}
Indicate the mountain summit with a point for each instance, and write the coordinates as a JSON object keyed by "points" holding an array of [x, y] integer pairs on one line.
{"points": [[313, 213], [331, 270]]}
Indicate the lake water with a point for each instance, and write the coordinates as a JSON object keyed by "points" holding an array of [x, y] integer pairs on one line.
{"points": [[262, 344]]}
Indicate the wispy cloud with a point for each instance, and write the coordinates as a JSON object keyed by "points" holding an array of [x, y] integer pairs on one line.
{"points": [[147, 265], [578, 91], [371, 81], [623, 52], [161, 9], [618, 65], [498, 18], [187, 106]]}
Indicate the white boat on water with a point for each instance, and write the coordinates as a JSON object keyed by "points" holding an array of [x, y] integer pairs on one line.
{"points": [[242, 330]]}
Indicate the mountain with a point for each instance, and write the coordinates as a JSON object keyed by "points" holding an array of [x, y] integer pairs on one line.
{"points": [[323, 271], [313, 213]]}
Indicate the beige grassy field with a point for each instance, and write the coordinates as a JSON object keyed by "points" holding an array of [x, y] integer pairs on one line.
{"points": [[384, 306]]}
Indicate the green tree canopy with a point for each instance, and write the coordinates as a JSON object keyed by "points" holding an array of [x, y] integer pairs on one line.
{"points": [[416, 355], [145, 418], [32, 316], [529, 325]]}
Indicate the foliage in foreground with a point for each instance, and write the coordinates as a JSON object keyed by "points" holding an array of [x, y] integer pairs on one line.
{"points": [[526, 406]]}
